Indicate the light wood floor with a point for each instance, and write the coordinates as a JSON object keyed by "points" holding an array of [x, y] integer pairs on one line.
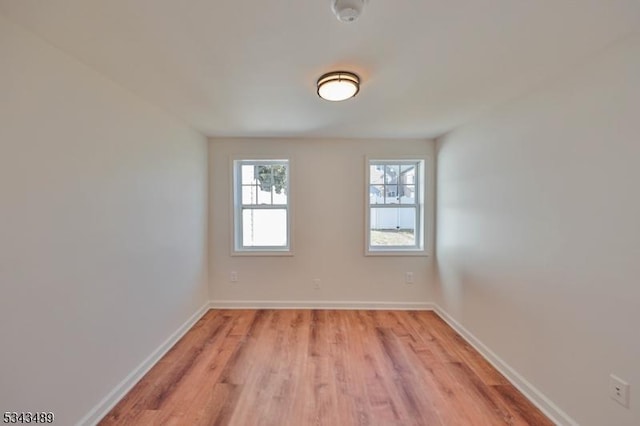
{"points": [[334, 368]]}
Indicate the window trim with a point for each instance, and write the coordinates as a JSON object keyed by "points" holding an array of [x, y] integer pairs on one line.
{"points": [[423, 205], [237, 249]]}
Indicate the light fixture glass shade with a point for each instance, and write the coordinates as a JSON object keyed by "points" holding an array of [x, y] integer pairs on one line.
{"points": [[338, 86]]}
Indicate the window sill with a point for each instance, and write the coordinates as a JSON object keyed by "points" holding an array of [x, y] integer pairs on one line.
{"points": [[265, 253], [410, 253]]}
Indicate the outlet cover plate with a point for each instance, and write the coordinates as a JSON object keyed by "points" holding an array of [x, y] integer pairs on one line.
{"points": [[408, 278], [619, 390]]}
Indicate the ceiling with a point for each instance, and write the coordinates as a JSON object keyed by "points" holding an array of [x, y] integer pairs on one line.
{"points": [[248, 68]]}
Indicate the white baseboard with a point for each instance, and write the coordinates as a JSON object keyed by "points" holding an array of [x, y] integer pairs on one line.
{"points": [[551, 410], [319, 304], [109, 401]]}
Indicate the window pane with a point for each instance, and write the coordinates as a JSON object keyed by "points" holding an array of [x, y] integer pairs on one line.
{"points": [[249, 194], [264, 228], [391, 194], [408, 174], [376, 194], [264, 197], [391, 174], [393, 226], [407, 194], [264, 176], [279, 198], [376, 174], [247, 174]]}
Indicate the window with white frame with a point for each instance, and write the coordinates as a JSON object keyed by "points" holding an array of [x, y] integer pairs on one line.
{"points": [[261, 206], [395, 206]]}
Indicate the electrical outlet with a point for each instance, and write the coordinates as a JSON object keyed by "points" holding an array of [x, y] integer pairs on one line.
{"points": [[233, 277], [316, 283], [408, 278], [619, 390]]}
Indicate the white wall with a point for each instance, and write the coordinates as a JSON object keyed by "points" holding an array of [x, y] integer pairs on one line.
{"points": [[102, 229], [328, 239], [539, 234]]}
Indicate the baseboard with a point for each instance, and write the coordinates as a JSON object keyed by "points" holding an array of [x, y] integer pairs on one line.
{"points": [[109, 401], [552, 411], [319, 304]]}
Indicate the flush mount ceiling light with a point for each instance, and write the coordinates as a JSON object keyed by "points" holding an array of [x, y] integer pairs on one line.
{"points": [[338, 85]]}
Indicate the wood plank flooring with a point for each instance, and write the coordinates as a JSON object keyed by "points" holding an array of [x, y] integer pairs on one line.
{"points": [[323, 367]]}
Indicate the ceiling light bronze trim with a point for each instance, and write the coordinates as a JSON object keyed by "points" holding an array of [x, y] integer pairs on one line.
{"points": [[339, 76]]}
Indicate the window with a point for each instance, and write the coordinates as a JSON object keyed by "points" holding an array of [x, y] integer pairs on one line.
{"points": [[395, 206], [261, 206]]}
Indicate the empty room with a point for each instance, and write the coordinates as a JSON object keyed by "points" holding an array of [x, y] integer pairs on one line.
{"points": [[320, 212]]}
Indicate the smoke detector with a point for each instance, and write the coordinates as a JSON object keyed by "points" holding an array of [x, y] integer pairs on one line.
{"points": [[347, 10]]}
